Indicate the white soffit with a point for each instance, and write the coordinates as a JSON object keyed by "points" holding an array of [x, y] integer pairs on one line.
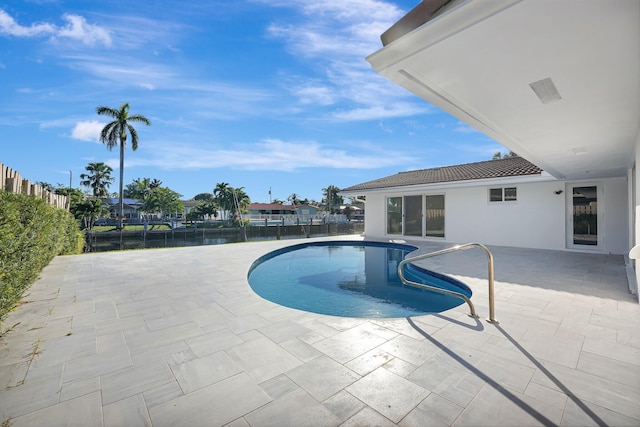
{"points": [[480, 60]]}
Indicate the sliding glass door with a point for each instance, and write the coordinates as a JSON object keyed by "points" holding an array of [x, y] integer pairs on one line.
{"points": [[418, 216], [394, 215], [435, 216], [413, 216]]}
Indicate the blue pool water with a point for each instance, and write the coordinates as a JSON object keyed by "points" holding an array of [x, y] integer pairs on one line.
{"points": [[351, 279]]}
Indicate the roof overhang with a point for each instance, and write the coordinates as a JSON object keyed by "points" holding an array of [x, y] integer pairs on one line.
{"points": [[477, 60], [441, 186]]}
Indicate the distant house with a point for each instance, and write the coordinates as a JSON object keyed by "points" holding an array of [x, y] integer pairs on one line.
{"points": [[278, 209], [130, 208], [507, 202]]}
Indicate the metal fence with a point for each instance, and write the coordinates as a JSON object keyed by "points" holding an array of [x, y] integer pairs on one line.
{"points": [[116, 240]]}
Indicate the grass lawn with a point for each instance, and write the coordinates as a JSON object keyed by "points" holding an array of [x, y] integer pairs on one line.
{"points": [[101, 228]]}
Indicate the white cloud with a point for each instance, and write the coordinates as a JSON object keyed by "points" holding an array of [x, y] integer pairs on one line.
{"points": [[87, 130], [338, 35], [269, 154], [9, 26], [374, 112], [76, 28], [464, 128]]}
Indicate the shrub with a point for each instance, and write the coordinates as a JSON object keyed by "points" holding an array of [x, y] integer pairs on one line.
{"points": [[32, 233]]}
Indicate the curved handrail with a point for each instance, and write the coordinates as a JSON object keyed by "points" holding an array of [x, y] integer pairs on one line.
{"points": [[464, 247]]}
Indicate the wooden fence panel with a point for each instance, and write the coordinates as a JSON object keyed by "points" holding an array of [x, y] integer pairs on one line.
{"points": [[12, 182]]}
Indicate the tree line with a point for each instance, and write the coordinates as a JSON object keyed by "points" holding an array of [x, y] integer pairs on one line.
{"points": [[226, 200]]}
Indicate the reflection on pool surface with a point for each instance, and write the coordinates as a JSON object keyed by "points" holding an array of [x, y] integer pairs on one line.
{"points": [[351, 279]]}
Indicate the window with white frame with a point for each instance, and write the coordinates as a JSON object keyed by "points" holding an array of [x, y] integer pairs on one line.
{"points": [[503, 194]]}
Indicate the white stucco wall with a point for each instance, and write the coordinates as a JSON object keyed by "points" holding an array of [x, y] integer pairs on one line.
{"points": [[538, 219], [535, 220], [375, 216], [616, 229]]}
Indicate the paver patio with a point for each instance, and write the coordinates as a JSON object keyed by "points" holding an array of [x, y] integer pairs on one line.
{"points": [[172, 337]]}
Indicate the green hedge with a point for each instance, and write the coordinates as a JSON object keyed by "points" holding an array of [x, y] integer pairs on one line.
{"points": [[32, 233]]}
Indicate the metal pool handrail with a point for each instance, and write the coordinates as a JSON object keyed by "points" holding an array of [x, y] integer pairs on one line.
{"points": [[464, 247]]}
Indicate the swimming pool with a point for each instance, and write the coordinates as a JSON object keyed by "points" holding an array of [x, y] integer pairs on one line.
{"points": [[351, 279]]}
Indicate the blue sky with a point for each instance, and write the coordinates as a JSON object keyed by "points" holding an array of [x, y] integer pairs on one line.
{"points": [[255, 93]]}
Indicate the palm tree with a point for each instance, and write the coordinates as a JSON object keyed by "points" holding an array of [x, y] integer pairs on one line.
{"points": [[223, 196], [294, 199], [332, 197], [98, 179], [115, 133]]}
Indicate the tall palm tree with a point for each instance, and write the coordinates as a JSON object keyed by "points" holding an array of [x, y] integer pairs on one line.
{"points": [[332, 197], [223, 196], [115, 133], [98, 179]]}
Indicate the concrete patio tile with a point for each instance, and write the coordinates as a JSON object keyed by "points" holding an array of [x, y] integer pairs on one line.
{"points": [[249, 336], [159, 353], [300, 349], [162, 394], [590, 414], [402, 327], [400, 367], [262, 359], [492, 407], [342, 324], [241, 324], [201, 372], [240, 422], [283, 331], [278, 386], [433, 411], [27, 398], [590, 388], [508, 374], [409, 349], [120, 324], [14, 351], [133, 380], [61, 349], [369, 361], [293, 409], [343, 405], [215, 405], [74, 389], [99, 364], [547, 395], [616, 351], [564, 350], [48, 374], [145, 341], [368, 417], [13, 375], [391, 395], [130, 412], [110, 343], [453, 383], [321, 329], [82, 411], [322, 377], [349, 344], [213, 342], [611, 369]]}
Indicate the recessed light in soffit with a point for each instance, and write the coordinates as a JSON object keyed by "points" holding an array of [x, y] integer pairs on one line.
{"points": [[546, 90]]}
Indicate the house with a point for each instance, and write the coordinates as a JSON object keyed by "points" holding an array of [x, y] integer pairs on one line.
{"points": [[556, 82], [506, 202], [278, 212], [130, 208]]}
